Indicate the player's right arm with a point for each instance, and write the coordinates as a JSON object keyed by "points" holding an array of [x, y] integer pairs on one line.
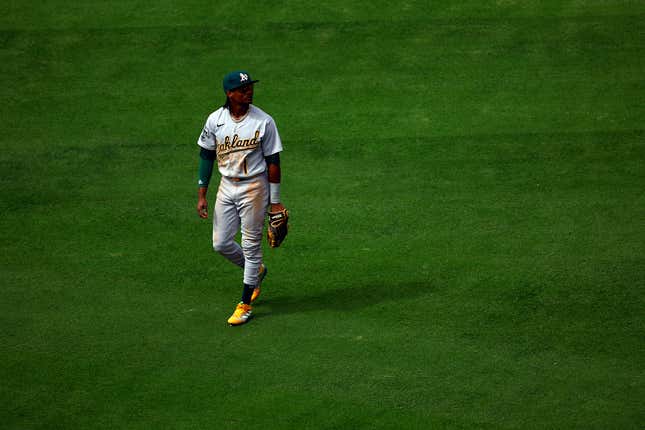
{"points": [[206, 162], [207, 155]]}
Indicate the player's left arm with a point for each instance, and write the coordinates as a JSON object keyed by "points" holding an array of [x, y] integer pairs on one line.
{"points": [[275, 176], [272, 146]]}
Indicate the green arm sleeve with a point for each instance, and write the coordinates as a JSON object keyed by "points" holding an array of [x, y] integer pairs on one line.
{"points": [[206, 161]]}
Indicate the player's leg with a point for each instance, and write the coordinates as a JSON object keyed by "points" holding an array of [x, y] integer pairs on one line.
{"points": [[226, 221], [252, 210], [253, 198]]}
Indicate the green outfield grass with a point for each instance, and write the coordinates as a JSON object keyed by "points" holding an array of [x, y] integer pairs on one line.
{"points": [[466, 184]]}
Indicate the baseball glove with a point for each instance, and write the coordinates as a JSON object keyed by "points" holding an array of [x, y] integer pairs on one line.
{"points": [[278, 227]]}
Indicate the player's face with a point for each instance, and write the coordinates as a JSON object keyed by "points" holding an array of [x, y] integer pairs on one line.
{"points": [[242, 95]]}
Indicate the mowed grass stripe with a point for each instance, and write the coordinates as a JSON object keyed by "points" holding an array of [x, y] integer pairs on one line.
{"points": [[82, 73]]}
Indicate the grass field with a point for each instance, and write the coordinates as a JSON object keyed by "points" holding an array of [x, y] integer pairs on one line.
{"points": [[466, 183]]}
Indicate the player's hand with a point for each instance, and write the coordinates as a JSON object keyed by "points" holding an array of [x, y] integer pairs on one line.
{"points": [[202, 208], [276, 207]]}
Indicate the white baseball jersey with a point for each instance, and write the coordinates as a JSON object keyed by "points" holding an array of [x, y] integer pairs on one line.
{"points": [[241, 145]]}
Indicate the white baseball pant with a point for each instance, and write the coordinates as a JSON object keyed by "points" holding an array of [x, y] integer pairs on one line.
{"points": [[241, 204]]}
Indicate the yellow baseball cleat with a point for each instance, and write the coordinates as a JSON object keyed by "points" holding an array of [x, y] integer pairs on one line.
{"points": [[241, 315], [261, 274]]}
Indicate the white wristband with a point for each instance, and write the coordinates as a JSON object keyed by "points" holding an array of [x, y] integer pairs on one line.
{"points": [[274, 192]]}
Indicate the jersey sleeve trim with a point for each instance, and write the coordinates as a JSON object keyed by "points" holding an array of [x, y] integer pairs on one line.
{"points": [[271, 142], [207, 138]]}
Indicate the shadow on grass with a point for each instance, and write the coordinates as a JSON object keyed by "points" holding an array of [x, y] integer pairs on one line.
{"points": [[350, 298]]}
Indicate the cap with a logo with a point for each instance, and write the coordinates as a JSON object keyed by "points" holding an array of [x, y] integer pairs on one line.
{"points": [[237, 79]]}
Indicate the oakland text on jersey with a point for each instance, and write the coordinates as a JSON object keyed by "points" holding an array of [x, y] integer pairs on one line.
{"points": [[236, 144]]}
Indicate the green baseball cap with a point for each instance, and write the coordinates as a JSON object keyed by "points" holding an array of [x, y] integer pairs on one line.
{"points": [[237, 79]]}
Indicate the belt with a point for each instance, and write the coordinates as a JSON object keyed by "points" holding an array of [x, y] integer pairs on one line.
{"points": [[230, 178]]}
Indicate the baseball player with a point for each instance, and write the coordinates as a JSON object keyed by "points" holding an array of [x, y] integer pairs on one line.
{"points": [[245, 142]]}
